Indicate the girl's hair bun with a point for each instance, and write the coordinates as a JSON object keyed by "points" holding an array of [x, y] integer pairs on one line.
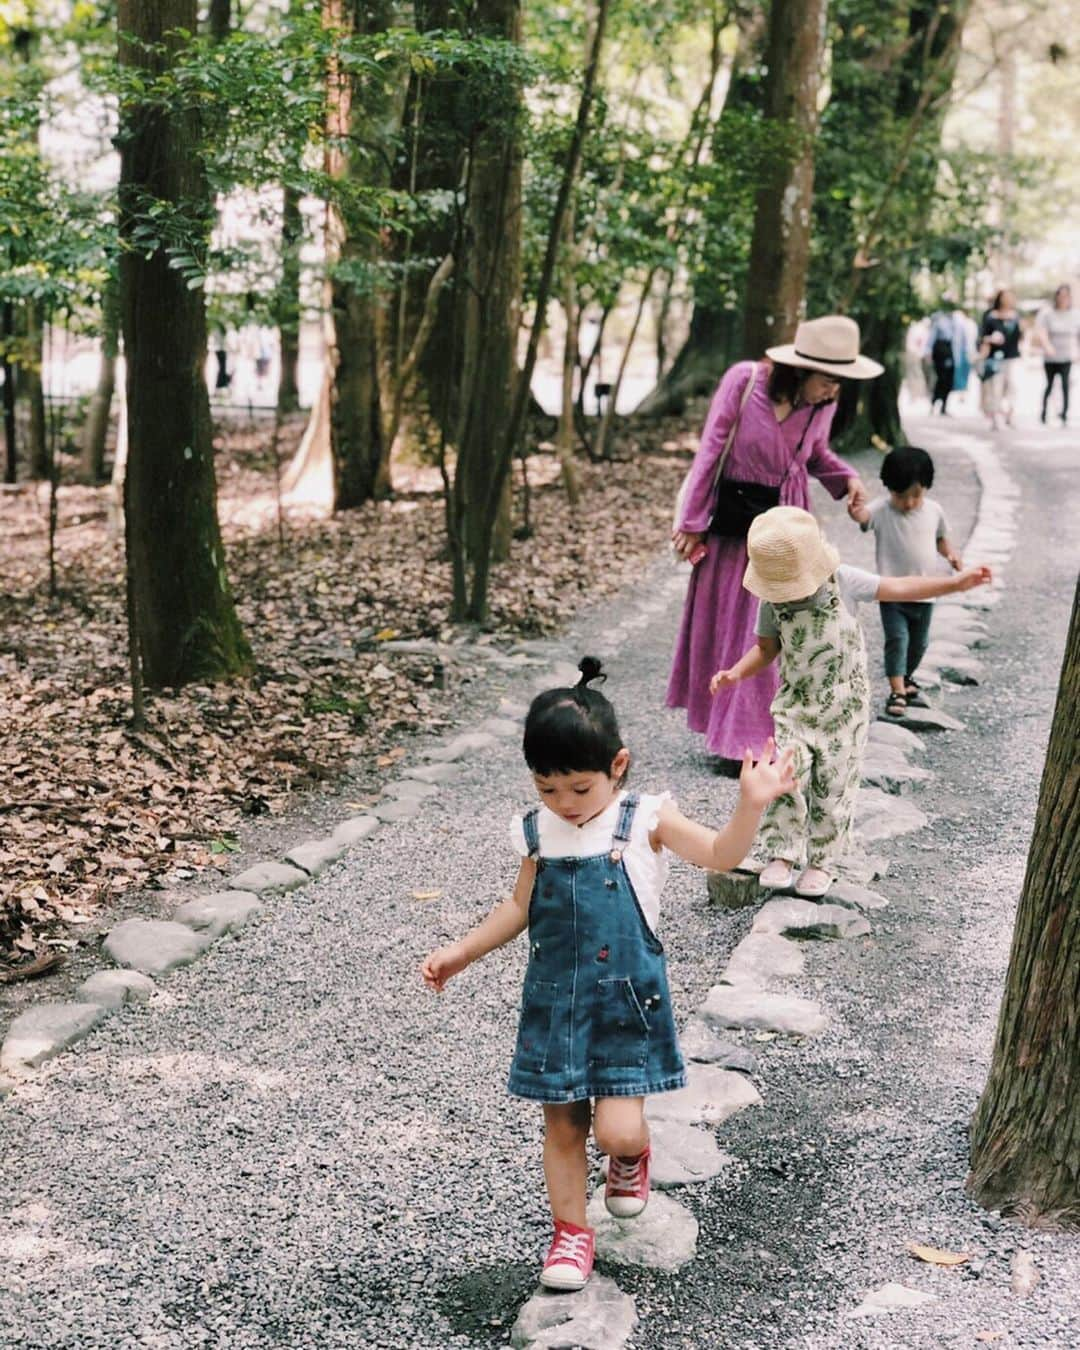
{"points": [[591, 669]]}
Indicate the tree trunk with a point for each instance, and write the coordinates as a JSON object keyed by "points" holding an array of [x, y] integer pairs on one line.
{"points": [[780, 247], [220, 19], [288, 300], [95, 431], [7, 322], [30, 386], [1025, 1136], [187, 626]]}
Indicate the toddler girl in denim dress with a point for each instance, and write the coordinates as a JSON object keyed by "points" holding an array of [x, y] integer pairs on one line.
{"points": [[597, 1033]]}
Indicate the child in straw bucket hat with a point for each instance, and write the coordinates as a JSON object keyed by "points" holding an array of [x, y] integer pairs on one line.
{"points": [[807, 617]]}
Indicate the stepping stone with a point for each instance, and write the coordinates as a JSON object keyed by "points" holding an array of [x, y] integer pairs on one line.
{"points": [[755, 1010], [501, 726], [848, 893], [889, 1298], [941, 649], [113, 988], [403, 809], [710, 1097], [222, 912], [355, 830], [961, 670], [434, 773], [43, 1031], [891, 733], [599, 1317], [681, 1155], [470, 743], [879, 815], [763, 956], [703, 1043], [663, 1236], [861, 867], [926, 719], [808, 919], [508, 708], [315, 855], [269, 876], [410, 789], [884, 766], [153, 946], [733, 890]]}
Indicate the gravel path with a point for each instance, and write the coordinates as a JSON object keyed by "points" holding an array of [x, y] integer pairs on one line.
{"points": [[294, 1144]]}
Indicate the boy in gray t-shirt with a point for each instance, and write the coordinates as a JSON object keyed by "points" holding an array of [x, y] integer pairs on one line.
{"points": [[910, 539]]}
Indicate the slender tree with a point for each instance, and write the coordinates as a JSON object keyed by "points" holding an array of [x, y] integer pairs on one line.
{"points": [[1025, 1137], [95, 430], [185, 620]]}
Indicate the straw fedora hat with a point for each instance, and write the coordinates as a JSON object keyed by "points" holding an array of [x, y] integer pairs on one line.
{"points": [[829, 344], [789, 556]]}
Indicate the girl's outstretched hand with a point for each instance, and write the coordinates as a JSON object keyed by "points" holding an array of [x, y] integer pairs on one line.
{"points": [[442, 964], [972, 577], [768, 779]]}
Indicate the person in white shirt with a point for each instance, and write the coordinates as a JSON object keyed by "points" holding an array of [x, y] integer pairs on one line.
{"points": [[1056, 331]]}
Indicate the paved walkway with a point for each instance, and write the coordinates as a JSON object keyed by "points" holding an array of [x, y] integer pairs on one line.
{"points": [[294, 1144]]}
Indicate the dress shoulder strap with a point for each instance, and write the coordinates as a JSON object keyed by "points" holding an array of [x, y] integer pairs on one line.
{"points": [[625, 821], [532, 831]]}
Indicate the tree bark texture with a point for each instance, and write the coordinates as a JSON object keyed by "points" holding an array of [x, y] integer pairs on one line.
{"points": [[7, 333], [95, 431], [1025, 1136], [187, 626], [220, 19], [780, 246], [288, 300]]}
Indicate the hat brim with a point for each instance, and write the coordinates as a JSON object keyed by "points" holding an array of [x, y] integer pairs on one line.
{"points": [[859, 368], [800, 587]]}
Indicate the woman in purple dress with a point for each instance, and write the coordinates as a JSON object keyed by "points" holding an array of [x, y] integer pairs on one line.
{"points": [[782, 436]]}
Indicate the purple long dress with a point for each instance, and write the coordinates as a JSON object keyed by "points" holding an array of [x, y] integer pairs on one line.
{"points": [[719, 616]]}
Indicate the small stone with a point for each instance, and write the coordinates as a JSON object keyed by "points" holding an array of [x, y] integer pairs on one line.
{"points": [[43, 1031], [410, 789], [269, 876], [315, 855], [403, 809], [860, 897], [891, 733], [114, 988], [461, 746], [1023, 1276], [890, 1297], [154, 946], [733, 890], [220, 913], [809, 919], [434, 773], [761, 956], [699, 1041], [755, 1010], [598, 1317], [355, 830], [710, 1097], [662, 1237]]}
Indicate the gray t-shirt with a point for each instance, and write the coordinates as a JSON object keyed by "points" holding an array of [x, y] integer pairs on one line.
{"points": [[1061, 327], [853, 583], [905, 542]]}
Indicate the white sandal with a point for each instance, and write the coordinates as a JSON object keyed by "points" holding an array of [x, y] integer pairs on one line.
{"points": [[813, 883], [777, 875]]}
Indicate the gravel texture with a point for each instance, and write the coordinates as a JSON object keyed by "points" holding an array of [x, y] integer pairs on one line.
{"points": [[294, 1144]]}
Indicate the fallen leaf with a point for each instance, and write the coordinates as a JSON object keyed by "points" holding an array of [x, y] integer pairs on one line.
{"points": [[426, 895], [385, 634], [936, 1257]]}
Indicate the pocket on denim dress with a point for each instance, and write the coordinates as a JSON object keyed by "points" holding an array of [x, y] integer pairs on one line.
{"points": [[538, 1002], [620, 1034]]}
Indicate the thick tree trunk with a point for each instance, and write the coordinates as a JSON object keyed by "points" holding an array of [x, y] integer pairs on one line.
{"points": [[288, 301], [7, 333], [187, 626], [1025, 1136], [96, 429], [780, 247], [220, 19]]}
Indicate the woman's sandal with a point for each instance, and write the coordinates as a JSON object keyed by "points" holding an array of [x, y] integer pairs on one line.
{"points": [[896, 705]]}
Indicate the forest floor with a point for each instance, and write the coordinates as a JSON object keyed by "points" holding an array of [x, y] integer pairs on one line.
{"points": [[92, 812]]}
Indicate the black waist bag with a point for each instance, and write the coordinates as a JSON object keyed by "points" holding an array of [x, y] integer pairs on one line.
{"points": [[737, 504]]}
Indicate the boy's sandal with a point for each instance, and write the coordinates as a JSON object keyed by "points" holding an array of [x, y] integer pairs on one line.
{"points": [[914, 695], [896, 705]]}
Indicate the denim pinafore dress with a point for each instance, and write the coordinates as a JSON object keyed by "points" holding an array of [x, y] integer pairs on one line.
{"points": [[596, 1016]]}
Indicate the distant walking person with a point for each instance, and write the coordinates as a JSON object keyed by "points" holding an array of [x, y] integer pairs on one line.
{"points": [[1056, 332], [942, 341], [999, 347]]}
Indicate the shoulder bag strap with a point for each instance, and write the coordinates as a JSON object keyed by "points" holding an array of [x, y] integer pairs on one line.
{"points": [[747, 390]]}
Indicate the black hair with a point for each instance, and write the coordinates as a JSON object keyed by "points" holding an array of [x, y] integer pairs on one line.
{"points": [[785, 383], [905, 466], [572, 730], [996, 303]]}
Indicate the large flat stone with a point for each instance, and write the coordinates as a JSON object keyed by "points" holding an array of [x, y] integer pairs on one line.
{"points": [[154, 946], [762, 956], [315, 855], [503, 727], [710, 1097], [662, 1237], [269, 877], [961, 670], [403, 809], [885, 767], [355, 830], [220, 913], [880, 815], [703, 1043], [733, 890], [43, 1031], [755, 1010], [889, 1298], [113, 988], [516, 712], [858, 897], [434, 773], [598, 1317], [470, 743], [412, 789], [808, 919], [681, 1155], [891, 733], [926, 719]]}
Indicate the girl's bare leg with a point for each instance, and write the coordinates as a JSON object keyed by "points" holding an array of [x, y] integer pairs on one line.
{"points": [[566, 1169], [619, 1126]]}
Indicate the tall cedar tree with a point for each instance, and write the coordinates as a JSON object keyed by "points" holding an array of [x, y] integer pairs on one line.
{"points": [[1025, 1138], [185, 622]]}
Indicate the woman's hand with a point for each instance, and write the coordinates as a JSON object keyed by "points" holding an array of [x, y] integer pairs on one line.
{"points": [[685, 541], [723, 679], [856, 497], [763, 782], [443, 964]]}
